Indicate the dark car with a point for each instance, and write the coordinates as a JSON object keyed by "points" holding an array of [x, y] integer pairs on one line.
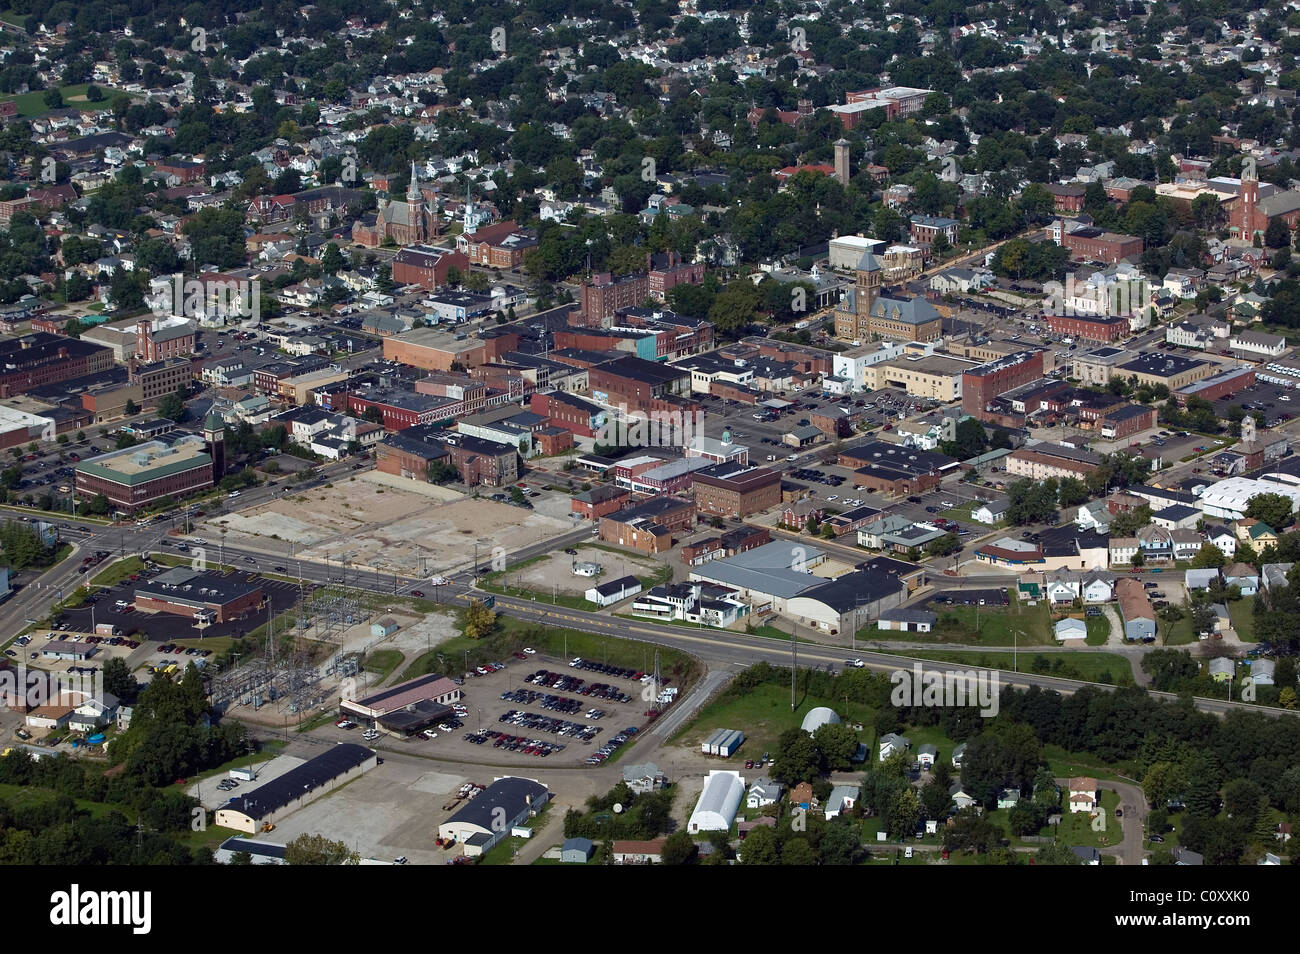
{"points": [[417, 593], [913, 499]]}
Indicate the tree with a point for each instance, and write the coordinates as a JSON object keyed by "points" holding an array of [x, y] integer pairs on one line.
{"points": [[172, 406], [678, 849], [319, 850], [53, 98], [837, 743], [131, 407], [119, 681], [1056, 853], [1209, 556], [798, 758], [1071, 491], [1272, 509], [479, 620], [797, 851]]}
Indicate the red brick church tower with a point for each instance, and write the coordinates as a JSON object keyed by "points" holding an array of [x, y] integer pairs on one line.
{"points": [[1247, 220]]}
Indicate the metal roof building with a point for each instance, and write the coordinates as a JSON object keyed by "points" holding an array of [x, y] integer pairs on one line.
{"points": [[718, 803]]}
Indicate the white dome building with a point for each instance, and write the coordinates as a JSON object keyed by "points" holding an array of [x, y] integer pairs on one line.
{"points": [[816, 718]]}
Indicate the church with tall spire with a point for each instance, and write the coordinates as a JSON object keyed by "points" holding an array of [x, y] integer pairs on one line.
{"points": [[413, 221]]}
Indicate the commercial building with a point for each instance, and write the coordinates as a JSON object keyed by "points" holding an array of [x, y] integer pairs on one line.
{"points": [[431, 688], [203, 596], [932, 376], [38, 359], [141, 475], [268, 803], [427, 266], [735, 490], [1093, 244], [648, 526], [1127, 420], [1096, 367], [1173, 371], [435, 349], [1043, 460], [1103, 328], [490, 815], [1216, 386], [1229, 499], [982, 384]]}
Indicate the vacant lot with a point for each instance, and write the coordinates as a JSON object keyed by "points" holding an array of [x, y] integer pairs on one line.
{"points": [[980, 626], [362, 523], [762, 714], [550, 578]]}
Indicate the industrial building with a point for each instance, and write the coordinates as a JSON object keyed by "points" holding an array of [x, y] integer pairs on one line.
{"points": [[432, 690], [488, 817], [265, 804], [1228, 499]]}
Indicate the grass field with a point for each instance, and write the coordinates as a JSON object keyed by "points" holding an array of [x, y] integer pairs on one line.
{"points": [[763, 714], [982, 626], [1098, 630], [1087, 666], [1177, 633], [31, 105], [382, 662], [1243, 618], [118, 572]]}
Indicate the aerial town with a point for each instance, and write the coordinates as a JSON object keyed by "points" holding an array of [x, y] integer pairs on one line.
{"points": [[827, 432]]}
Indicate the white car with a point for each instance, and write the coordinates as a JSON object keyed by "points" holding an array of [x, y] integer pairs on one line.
{"points": [[429, 734], [833, 497], [233, 493], [440, 581], [529, 651]]}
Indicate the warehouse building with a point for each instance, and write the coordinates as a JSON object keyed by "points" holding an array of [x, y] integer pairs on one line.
{"points": [[1228, 499], [488, 817], [267, 803]]}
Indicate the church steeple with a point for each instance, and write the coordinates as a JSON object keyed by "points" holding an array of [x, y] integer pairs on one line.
{"points": [[413, 190], [471, 220]]}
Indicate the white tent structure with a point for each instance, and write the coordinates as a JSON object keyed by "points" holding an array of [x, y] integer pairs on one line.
{"points": [[718, 803]]}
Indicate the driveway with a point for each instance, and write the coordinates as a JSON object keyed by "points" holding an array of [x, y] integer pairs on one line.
{"points": [[1133, 803]]}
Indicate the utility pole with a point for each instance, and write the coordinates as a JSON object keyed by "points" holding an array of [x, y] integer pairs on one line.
{"points": [[794, 667]]}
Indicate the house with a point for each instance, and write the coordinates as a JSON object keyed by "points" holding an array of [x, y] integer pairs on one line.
{"points": [[763, 791], [1269, 859], [957, 754], [927, 754], [1222, 669], [1083, 794], [1241, 575], [1071, 628], [1135, 609], [960, 798], [1008, 798], [1274, 574], [1200, 579], [843, 797], [1087, 856], [1224, 539], [890, 743], [576, 851], [992, 512], [1183, 856], [1094, 516], [638, 852], [1261, 672], [1222, 621]]}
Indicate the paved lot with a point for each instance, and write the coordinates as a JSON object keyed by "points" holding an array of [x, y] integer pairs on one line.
{"points": [[554, 574]]}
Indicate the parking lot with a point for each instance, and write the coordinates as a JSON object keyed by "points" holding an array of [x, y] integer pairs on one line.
{"points": [[1277, 402], [534, 708]]}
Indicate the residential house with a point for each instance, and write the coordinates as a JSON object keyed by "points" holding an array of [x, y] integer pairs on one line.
{"points": [[992, 512], [1071, 628], [763, 791], [958, 754], [1222, 669], [1274, 574], [1200, 579], [843, 797], [1243, 576], [1083, 794], [927, 754], [891, 742]]}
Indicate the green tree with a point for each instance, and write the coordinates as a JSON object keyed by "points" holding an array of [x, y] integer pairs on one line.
{"points": [[1272, 509], [678, 849], [1209, 556], [319, 850]]}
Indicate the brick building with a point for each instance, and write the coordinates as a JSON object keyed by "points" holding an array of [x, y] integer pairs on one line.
{"points": [[156, 379], [1103, 328], [212, 597], [426, 266], [1129, 419], [604, 295], [141, 475], [599, 501], [1068, 198], [35, 360], [1093, 244], [503, 245], [569, 411], [981, 384], [648, 527], [171, 340], [735, 490]]}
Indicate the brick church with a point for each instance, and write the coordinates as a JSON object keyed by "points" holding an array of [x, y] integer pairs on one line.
{"points": [[413, 222], [1249, 215]]}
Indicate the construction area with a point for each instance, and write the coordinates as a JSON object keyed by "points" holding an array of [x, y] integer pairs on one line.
{"points": [[365, 523]]}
